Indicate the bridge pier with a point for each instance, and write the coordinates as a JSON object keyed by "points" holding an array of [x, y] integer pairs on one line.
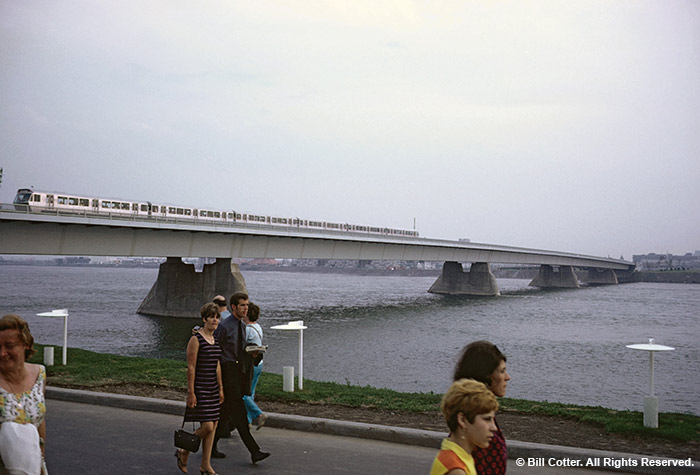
{"points": [[180, 291], [596, 276], [563, 277], [454, 281]]}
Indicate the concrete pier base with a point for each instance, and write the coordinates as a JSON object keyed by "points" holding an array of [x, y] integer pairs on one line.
{"points": [[454, 281], [563, 277], [600, 277], [180, 291]]}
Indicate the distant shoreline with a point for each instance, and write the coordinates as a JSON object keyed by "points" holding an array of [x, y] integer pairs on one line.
{"points": [[660, 276]]}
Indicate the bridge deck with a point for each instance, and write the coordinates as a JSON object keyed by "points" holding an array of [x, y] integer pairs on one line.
{"points": [[87, 234]]}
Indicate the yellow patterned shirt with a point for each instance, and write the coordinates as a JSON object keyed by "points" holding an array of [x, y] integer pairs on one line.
{"points": [[27, 407]]}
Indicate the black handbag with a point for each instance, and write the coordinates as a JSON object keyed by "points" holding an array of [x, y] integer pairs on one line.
{"points": [[187, 440]]}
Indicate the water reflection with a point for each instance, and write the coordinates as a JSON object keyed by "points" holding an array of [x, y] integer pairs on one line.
{"points": [[389, 332]]}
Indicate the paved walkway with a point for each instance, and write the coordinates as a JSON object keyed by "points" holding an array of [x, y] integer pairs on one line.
{"points": [[99, 433]]}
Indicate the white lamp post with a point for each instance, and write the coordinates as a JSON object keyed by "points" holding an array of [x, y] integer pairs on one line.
{"points": [[60, 313], [651, 402], [296, 325]]}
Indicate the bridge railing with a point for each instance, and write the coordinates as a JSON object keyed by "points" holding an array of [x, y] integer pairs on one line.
{"points": [[209, 225], [217, 224]]}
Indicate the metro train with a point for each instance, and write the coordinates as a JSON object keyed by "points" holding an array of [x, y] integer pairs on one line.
{"points": [[43, 201]]}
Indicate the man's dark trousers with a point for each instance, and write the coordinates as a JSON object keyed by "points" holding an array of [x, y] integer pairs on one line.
{"points": [[233, 408]]}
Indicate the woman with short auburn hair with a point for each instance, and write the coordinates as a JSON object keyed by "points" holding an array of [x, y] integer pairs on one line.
{"points": [[484, 362]]}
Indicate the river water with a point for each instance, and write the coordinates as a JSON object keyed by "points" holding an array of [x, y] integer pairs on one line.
{"points": [[562, 346]]}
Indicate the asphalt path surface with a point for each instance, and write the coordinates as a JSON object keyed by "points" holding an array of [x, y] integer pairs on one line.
{"points": [[92, 439]]}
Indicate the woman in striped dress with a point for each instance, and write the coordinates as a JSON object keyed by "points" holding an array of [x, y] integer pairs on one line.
{"points": [[205, 392]]}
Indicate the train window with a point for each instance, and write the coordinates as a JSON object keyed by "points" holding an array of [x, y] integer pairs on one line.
{"points": [[230, 215], [180, 211], [73, 201], [188, 212], [217, 214], [84, 202], [62, 200], [171, 210], [124, 206], [144, 208], [36, 197]]}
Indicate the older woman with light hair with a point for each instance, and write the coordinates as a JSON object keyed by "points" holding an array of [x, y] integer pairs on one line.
{"points": [[22, 404]]}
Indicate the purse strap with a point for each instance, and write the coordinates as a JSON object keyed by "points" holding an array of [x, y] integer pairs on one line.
{"points": [[258, 332], [183, 420]]}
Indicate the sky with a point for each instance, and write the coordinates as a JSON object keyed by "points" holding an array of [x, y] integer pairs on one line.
{"points": [[569, 126]]}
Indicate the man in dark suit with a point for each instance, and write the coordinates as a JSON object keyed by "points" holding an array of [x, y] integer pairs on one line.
{"points": [[236, 375]]}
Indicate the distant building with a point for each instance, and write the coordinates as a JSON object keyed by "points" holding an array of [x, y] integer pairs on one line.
{"points": [[653, 261]]}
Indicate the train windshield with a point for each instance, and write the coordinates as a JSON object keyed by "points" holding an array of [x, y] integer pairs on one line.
{"points": [[22, 196]]}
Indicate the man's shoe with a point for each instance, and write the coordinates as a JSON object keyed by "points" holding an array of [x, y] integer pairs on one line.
{"points": [[216, 454], [257, 457]]}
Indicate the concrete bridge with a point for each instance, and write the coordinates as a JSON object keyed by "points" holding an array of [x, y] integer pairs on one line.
{"points": [[178, 285]]}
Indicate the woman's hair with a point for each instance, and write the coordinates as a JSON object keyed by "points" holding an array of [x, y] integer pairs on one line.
{"points": [[253, 312], [469, 397], [15, 322], [478, 361], [209, 310]]}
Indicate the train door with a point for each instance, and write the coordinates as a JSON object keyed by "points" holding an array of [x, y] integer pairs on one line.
{"points": [[49, 201], [150, 208]]}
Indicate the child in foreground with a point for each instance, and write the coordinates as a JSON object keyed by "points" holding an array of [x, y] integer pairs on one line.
{"points": [[469, 408]]}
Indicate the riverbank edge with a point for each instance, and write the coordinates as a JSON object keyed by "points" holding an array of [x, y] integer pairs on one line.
{"points": [[525, 272], [634, 463], [88, 370]]}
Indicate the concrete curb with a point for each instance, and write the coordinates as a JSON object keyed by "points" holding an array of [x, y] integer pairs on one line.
{"points": [[521, 452]]}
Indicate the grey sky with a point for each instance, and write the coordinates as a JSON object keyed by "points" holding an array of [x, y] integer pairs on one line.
{"points": [[572, 126]]}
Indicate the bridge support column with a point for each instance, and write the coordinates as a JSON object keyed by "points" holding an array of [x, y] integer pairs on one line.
{"points": [[454, 281], [601, 277], [547, 277], [180, 291]]}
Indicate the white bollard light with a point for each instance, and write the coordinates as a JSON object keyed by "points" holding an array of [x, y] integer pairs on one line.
{"points": [[296, 325], [48, 356], [651, 402], [288, 379]]}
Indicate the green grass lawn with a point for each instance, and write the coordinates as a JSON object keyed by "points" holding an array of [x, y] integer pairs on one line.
{"points": [[89, 369]]}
